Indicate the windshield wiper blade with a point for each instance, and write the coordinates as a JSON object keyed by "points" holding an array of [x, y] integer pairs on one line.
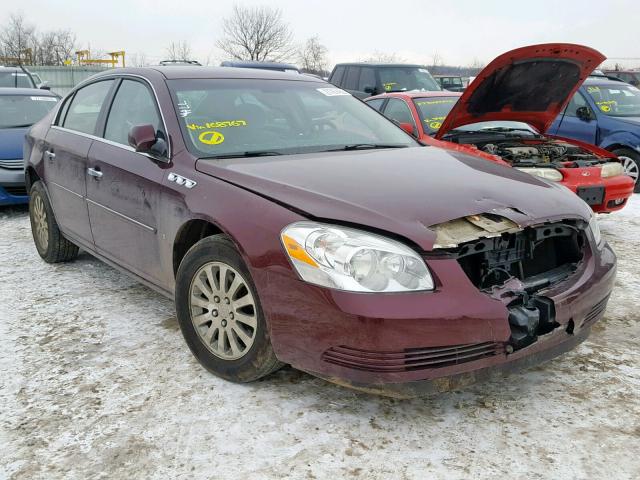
{"points": [[366, 146], [19, 126], [259, 153]]}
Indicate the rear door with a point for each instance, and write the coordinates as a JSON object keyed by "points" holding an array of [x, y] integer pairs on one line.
{"points": [[571, 126], [123, 186], [66, 149]]}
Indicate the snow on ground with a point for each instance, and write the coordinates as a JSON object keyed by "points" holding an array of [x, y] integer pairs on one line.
{"points": [[96, 382]]}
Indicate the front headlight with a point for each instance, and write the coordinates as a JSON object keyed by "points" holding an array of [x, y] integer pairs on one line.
{"points": [[546, 173], [611, 169], [595, 229], [353, 260]]}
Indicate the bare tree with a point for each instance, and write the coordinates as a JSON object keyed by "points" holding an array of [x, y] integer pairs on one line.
{"points": [[179, 51], [137, 59], [436, 60], [383, 57], [16, 37], [477, 64], [53, 48], [313, 56], [256, 33]]}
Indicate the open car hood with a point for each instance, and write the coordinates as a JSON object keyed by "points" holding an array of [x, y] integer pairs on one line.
{"points": [[529, 84]]}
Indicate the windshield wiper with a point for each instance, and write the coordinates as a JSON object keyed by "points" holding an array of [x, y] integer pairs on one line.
{"points": [[258, 153], [365, 146], [19, 126]]}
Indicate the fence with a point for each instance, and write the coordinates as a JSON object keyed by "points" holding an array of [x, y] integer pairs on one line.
{"points": [[63, 79]]}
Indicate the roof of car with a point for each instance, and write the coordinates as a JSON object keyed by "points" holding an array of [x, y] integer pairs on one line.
{"points": [[419, 94], [264, 65], [622, 71], [598, 80], [379, 64], [26, 91], [197, 72]]}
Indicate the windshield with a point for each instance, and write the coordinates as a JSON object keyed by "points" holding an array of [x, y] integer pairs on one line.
{"points": [[617, 100], [402, 79], [15, 80], [433, 111], [222, 117], [23, 110]]}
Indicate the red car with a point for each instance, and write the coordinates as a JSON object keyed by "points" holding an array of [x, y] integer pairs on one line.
{"points": [[292, 224], [504, 116]]}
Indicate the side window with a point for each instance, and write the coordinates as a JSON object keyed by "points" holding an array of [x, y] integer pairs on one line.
{"points": [[351, 80], [133, 105], [576, 102], [399, 111], [367, 79], [82, 114], [336, 79], [376, 104]]}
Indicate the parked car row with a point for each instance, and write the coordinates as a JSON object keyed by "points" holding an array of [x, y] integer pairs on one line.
{"points": [[293, 224]]}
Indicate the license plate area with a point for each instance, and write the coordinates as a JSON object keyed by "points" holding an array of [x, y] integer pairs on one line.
{"points": [[591, 195]]}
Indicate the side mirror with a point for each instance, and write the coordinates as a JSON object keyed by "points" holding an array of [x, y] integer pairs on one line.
{"points": [[584, 114], [45, 87], [143, 139], [370, 90], [408, 127]]}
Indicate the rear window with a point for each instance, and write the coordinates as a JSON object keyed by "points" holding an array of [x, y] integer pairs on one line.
{"points": [[433, 111], [402, 79], [15, 80]]}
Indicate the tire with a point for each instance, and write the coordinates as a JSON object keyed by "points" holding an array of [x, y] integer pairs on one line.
{"points": [[50, 243], [629, 158], [222, 322]]}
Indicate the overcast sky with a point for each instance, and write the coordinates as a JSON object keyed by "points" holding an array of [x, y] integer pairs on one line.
{"points": [[460, 30]]}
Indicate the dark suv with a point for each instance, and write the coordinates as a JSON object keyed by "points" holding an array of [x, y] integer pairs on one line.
{"points": [[366, 79], [291, 223]]}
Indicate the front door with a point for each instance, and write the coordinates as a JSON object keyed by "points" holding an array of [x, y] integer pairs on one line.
{"points": [[123, 186], [67, 145], [571, 126]]}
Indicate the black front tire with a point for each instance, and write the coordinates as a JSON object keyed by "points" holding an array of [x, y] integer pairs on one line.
{"points": [[52, 246], [259, 360], [635, 156]]}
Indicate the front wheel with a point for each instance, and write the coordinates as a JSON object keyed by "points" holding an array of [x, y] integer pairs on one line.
{"points": [[50, 243], [220, 314], [631, 163]]}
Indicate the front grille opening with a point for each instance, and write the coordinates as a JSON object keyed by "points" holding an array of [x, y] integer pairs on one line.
{"points": [[538, 257], [411, 358]]}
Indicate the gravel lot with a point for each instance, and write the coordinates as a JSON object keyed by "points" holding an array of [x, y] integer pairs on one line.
{"points": [[96, 382]]}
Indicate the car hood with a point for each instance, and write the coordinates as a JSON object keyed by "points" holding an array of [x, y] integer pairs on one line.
{"points": [[11, 140], [530, 84], [401, 191]]}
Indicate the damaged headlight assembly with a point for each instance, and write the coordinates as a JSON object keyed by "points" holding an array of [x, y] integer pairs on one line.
{"points": [[611, 169], [353, 260]]}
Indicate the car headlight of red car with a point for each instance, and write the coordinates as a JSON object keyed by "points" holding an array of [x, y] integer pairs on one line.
{"points": [[353, 260], [611, 169]]}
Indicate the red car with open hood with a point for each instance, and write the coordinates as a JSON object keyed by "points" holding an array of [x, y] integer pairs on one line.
{"points": [[504, 116]]}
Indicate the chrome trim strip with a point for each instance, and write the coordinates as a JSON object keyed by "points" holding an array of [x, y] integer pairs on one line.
{"points": [[66, 189], [115, 75], [151, 229]]}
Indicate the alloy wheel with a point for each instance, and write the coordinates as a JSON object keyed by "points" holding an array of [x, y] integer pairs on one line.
{"points": [[630, 167], [223, 310], [40, 221]]}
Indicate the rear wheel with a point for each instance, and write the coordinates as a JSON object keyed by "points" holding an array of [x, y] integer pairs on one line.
{"points": [[220, 314], [631, 163], [50, 243]]}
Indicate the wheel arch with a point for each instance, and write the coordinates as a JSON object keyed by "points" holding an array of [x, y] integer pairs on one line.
{"points": [[190, 233]]}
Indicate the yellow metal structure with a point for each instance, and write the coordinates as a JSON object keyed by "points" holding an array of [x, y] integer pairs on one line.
{"points": [[84, 58]]}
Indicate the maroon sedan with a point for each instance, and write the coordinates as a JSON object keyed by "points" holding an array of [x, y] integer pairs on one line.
{"points": [[295, 225]]}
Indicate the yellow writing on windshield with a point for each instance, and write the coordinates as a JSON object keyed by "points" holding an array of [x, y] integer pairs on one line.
{"points": [[436, 102], [225, 124]]}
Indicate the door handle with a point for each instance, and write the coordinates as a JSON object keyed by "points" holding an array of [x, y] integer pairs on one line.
{"points": [[95, 173], [50, 155]]}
